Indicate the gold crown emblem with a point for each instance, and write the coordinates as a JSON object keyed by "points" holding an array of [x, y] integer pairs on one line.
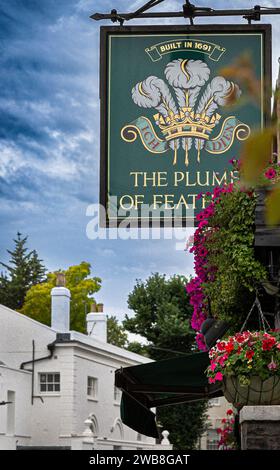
{"points": [[186, 103], [186, 123]]}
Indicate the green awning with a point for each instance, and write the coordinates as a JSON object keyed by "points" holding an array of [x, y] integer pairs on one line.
{"points": [[167, 382]]}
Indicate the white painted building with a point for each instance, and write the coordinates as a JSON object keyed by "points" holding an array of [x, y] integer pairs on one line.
{"points": [[68, 388]]}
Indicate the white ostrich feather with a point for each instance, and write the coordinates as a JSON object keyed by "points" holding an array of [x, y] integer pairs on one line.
{"points": [[154, 93], [216, 94]]}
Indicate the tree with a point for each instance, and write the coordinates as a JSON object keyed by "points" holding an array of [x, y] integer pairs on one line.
{"points": [[37, 304], [161, 307], [116, 334], [24, 270], [138, 348], [162, 316]]}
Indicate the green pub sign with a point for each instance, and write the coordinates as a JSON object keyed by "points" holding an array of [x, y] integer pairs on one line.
{"points": [[173, 117]]}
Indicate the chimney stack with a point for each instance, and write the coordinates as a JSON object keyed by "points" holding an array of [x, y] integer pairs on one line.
{"points": [[97, 323], [60, 308]]}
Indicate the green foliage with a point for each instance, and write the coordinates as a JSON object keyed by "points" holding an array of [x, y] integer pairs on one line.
{"points": [[24, 270], [116, 334], [162, 313], [138, 348], [185, 422], [37, 303], [231, 250], [162, 316]]}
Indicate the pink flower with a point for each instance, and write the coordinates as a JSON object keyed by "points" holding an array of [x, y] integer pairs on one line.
{"points": [[201, 344], [272, 365], [200, 216], [222, 359], [213, 366], [270, 173], [202, 224], [219, 376]]}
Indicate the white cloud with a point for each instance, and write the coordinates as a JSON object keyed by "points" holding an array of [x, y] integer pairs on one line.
{"points": [[11, 159]]}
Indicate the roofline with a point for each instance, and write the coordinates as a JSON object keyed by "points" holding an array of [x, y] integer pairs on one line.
{"points": [[24, 371], [27, 318], [80, 338]]}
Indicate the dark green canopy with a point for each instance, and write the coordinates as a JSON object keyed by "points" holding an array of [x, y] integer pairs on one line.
{"points": [[166, 382]]}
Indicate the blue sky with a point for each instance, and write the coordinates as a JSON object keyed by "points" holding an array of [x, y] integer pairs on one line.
{"points": [[49, 141]]}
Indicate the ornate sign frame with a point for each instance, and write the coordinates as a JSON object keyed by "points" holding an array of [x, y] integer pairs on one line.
{"points": [[183, 124]]}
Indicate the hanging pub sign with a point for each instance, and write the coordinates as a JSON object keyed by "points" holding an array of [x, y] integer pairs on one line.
{"points": [[176, 105]]}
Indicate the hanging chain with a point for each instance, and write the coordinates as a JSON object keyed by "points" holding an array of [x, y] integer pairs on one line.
{"points": [[262, 320]]}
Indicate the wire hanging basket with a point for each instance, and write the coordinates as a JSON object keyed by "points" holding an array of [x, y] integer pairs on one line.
{"points": [[258, 392]]}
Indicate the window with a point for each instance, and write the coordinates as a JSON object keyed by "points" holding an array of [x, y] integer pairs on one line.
{"points": [[117, 394], [212, 439], [92, 387], [11, 412], [214, 401], [49, 382]]}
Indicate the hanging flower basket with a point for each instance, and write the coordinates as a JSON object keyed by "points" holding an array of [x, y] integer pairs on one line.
{"points": [[248, 367], [257, 392]]}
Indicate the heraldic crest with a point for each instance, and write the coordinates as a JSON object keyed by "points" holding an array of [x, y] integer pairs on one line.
{"points": [[186, 111]]}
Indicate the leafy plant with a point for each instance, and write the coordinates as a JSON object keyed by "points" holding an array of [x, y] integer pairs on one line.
{"points": [[230, 248], [227, 272]]}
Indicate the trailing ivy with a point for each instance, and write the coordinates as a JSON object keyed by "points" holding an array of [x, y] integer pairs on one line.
{"points": [[230, 247]]}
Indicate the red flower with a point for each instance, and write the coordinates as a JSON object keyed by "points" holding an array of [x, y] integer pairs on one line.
{"points": [[229, 412], [221, 346], [229, 347], [240, 338], [268, 343], [250, 354]]}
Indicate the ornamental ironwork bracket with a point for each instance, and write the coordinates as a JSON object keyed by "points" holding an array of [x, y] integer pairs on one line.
{"points": [[189, 11]]}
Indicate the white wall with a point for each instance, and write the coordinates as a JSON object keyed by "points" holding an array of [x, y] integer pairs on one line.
{"points": [[16, 334], [105, 409], [18, 382], [52, 421], [63, 414]]}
